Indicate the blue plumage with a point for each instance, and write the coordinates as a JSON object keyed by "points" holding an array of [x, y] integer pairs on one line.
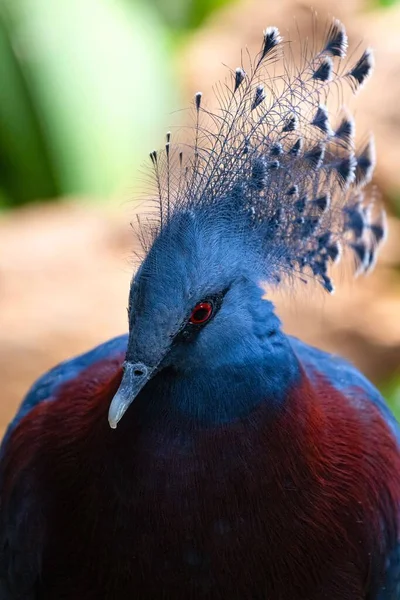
{"points": [[341, 373], [345, 377], [274, 147], [245, 464]]}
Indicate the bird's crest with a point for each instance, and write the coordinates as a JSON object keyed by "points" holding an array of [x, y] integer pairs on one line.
{"points": [[272, 158]]}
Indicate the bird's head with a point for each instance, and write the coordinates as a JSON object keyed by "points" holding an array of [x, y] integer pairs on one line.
{"points": [[195, 307], [275, 194]]}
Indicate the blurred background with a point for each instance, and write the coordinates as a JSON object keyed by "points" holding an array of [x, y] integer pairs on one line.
{"points": [[88, 88]]}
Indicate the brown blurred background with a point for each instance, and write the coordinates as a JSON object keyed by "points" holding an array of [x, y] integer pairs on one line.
{"points": [[88, 88]]}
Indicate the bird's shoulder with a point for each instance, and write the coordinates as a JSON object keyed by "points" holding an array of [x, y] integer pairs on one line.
{"points": [[345, 378], [360, 393], [46, 388], [53, 412]]}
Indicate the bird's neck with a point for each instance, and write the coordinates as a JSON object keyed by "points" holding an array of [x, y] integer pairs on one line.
{"points": [[262, 372]]}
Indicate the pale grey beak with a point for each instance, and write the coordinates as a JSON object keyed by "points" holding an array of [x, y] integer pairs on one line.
{"points": [[134, 379]]}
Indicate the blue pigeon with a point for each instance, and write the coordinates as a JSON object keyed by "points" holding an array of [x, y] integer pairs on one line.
{"points": [[206, 454]]}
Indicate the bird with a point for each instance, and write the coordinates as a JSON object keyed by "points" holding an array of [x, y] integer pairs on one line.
{"points": [[207, 454]]}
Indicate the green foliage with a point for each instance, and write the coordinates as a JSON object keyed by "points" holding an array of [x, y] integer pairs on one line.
{"points": [[25, 165], [87, 87], [86, 90], [200, 9], [394, 200], [386, 3], [182, 15], [391, 391]]}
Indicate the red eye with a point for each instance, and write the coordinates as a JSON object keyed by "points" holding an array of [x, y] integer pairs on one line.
{"points": [[201, 313]]}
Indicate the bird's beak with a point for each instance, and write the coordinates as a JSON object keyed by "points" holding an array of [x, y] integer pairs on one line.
{"points": [[135, 377]]}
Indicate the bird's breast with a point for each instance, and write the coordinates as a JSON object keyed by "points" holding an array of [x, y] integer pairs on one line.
{"points": [[245, 510]]}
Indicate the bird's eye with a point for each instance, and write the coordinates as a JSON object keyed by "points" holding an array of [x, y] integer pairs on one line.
{"points": [[201, 313]]}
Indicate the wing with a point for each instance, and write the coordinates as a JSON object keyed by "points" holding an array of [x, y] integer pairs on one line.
{"points": [[22, 499], [345, 377]]}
